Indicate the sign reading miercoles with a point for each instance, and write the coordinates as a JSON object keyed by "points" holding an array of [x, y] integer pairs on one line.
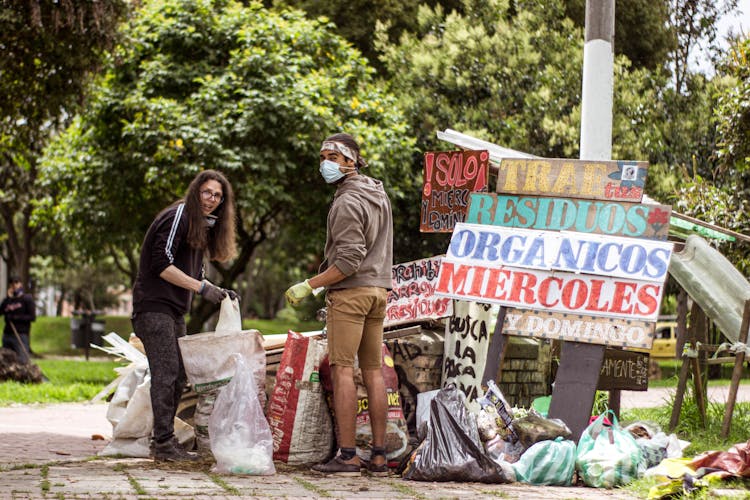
{"points": [[579, 328], [412, 298], [449, 178], [589, 179], [562, 214], [547, 272]]}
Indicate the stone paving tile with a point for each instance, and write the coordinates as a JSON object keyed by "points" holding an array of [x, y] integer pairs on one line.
{"points": [[20, 482], [170, 482], [86, 478]]}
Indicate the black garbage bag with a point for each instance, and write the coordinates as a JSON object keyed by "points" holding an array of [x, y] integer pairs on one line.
{"points": [[452, 451]]}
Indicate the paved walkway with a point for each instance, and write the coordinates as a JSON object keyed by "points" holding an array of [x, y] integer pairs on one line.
{"points": [[49, 451]]}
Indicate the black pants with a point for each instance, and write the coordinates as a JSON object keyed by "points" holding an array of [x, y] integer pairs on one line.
{"points": [[22, 349], [159, 333]]}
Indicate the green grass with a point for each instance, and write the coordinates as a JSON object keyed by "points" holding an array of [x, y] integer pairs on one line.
{"points": [[72, 378], [69, 381], [50, 335], [689, 428]]}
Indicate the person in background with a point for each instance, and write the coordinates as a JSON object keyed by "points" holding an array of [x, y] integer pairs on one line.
{"points": [[19, 311], [357, 273], [170, 271]]}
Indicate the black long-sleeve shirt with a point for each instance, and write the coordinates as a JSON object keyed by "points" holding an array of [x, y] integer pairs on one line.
{"points": [[166, 244], [20, 311]]}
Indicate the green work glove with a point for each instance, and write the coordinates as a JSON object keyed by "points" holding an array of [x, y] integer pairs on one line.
{"points": [[296, 293]]}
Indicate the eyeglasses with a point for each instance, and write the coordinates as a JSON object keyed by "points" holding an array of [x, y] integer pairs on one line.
{"points": [[208, 195]]}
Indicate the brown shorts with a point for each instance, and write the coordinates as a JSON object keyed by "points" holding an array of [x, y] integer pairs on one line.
{"points": [[355, 325]]}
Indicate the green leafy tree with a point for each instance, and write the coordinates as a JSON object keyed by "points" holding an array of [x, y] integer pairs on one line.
{"points": [[356, 20], [722, 195], [643, 32], [215, 84], [49, 50]]}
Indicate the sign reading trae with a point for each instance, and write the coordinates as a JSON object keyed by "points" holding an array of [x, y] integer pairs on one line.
{"points": [[449, 178], [595, 180]]}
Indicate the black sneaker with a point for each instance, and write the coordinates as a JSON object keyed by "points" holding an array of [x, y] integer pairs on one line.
{"points": [[338, 467], [172, 451], [380, 470]]}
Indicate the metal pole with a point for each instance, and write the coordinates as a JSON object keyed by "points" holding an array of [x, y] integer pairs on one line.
{"points": [[598, 81], [580, 364]]}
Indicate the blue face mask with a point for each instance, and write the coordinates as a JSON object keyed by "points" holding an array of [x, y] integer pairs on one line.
{"points": [[330, 171]]}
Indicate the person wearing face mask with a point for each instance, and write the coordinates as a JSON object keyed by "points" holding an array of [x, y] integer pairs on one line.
{"points": [[170, 271], [357, 275], [19, 311]]}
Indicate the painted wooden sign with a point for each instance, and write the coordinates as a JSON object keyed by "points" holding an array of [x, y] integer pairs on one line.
{"points": [[551, 290], [562, 214], [597, 180], [579, 328], [613, 256], [412, 298], [623, 370], [449, 178], [467, 336]]}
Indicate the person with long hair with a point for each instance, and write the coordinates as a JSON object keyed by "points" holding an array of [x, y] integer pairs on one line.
{"points": [[357, 275], [202, 224]]}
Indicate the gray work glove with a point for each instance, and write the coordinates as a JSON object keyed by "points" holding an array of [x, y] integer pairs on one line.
{"points": [[232, 294], [212, 293]]}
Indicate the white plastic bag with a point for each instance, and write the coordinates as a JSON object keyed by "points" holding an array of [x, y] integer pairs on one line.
{"points": [[241, 439], [230, 319]]}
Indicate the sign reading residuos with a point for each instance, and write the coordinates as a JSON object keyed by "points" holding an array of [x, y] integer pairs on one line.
{"points": [[412, 298], [449, 178]]}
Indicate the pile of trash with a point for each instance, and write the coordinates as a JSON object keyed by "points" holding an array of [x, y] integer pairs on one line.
{"points": [[450, 441]]}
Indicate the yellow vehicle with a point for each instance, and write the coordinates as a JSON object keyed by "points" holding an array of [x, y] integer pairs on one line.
{"points": [[665, 341]]}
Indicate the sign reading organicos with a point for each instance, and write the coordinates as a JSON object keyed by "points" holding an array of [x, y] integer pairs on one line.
{"points": [[449, 178], [412, 298], [561, 214], [598, 180], [565, 272]]}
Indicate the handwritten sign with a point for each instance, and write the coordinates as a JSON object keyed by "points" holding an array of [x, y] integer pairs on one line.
{"points": [[613, 256], [562, 214], [623, 370], [466, 340], [579, 328], [449, 178], [598, 180], [412, 298]]}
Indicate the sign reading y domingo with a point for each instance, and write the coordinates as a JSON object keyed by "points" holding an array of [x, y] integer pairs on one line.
{"points": [[561, 214], [579, 328], [599, 180], [545, 271], [412, 298], [449, 178]]}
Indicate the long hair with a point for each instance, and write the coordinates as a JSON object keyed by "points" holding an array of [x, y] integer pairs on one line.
{"points": [[220, 241], [348, 141]]}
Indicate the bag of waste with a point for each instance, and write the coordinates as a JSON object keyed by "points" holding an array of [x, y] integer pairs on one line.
{"points": [[534, 428], [452, 450], [547, 463], [209, 364], [297, 410], [607, 456], [240, 436]]}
